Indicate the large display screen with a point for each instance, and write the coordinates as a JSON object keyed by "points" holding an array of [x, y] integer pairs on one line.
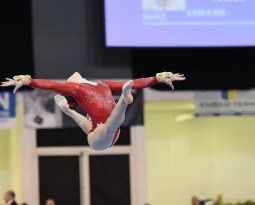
{"points": [[179, 23]]}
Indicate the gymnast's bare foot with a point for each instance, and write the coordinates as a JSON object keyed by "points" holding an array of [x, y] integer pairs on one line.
{"points": [[126, 92]]}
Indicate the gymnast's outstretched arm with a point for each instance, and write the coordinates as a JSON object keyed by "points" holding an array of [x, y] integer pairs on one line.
{"points": [[140, 83], [67, 88]]}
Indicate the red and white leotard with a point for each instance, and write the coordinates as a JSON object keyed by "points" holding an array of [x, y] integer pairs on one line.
{"points": [[96, 100]]}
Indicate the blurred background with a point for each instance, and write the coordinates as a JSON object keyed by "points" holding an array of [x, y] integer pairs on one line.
{"points": [[194, 145]]}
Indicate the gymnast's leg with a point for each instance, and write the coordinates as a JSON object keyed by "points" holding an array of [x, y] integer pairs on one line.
{"points": [[117, 116], [102, 137], [82, 121]]}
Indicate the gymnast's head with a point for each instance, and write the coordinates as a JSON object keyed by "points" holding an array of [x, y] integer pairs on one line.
{"points": [[71, 102], [75, 78]]}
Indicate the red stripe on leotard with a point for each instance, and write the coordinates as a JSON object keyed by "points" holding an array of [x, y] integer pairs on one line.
{"points": [[140, 83]]}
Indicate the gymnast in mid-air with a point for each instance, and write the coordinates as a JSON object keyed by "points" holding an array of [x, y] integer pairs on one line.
{"points": [[105, 117]]}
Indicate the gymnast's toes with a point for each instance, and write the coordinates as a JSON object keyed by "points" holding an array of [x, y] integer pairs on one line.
{"points": [[61, 102], [126, 90]]}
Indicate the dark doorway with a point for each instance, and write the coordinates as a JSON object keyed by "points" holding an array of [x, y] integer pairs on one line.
{"points": [[109, 180], [59, 179]]}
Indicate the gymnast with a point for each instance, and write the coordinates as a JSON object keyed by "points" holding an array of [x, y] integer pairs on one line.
{"points": [[104, 115]]}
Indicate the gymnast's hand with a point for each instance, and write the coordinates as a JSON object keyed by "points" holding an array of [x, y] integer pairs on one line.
{"points": [[175, 77], [11, 82]]}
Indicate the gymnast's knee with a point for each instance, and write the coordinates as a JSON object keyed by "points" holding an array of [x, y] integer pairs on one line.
{"points": [[98, 141], [113, 126], [98, 146]]}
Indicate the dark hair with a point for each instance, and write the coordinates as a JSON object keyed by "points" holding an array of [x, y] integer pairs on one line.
{"points": [[71, 102]]}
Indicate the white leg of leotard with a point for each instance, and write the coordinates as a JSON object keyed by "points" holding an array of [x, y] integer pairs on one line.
{"points": [[98, 140], [82, 121], [101, 138]]}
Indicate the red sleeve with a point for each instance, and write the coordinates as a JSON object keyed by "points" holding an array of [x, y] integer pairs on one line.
{"points": [[68, 88], [139, 83]]}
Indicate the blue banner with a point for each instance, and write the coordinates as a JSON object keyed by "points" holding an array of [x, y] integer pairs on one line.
{"points": [[7, 109]]}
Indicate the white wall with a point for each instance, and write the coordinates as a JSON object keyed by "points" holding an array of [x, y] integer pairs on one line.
{"points": [[10, 158], [4, 162], [205, 157]]}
